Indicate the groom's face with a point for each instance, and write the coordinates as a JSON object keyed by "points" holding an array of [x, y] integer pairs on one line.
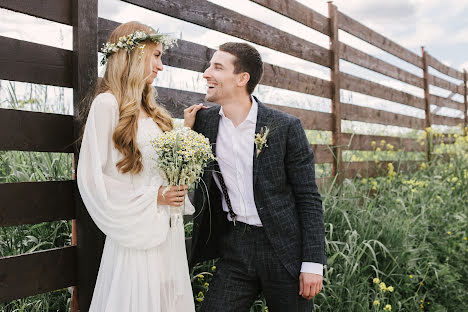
{"points": [[222, 82]]}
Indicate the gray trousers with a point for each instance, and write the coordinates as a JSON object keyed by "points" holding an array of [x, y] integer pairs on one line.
{"points": [[248, 267]]}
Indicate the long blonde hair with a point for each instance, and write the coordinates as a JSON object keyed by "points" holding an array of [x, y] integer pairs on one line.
{"points": [[125, 79]]}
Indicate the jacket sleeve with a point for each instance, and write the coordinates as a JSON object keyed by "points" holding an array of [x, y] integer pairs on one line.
{"points": [[300, 167]]}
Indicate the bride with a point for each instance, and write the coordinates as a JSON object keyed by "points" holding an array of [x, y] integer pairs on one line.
{"points": [[144, 263]]}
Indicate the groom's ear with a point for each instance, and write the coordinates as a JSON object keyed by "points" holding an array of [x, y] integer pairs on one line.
{"points": [[243, 79]]}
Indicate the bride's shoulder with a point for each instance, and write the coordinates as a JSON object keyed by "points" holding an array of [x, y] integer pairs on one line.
{"points": [[105, 102]]}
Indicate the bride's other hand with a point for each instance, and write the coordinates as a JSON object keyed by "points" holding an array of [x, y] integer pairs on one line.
{"points": [[190, 113], [175, 196]]}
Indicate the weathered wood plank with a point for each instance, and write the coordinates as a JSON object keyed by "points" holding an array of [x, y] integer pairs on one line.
{"points": [[444, 69], [33, 131], [298, 12], [366, 169], [371, 115], [36, 273], [323, 153], [444, 102], [353, 83], [363, 59], [45, 201], [465, 100], [446, 121], [311, 120], [363, 142], [444, 84], [52, 10], [192, 56], [288, 79], [335, 78], [215, 17], [35, 63], [90, 240], [357, 29]]}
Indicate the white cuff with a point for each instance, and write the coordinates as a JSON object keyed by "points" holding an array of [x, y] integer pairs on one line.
{"points": [[312, 267]]}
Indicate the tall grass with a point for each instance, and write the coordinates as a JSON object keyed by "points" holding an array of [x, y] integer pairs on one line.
{"points": [[406, 230]]}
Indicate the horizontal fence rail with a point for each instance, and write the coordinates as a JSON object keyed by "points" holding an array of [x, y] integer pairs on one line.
{"points": [[35, 63], [36, 273], [59, 11], [33, 131], [36, 202]]}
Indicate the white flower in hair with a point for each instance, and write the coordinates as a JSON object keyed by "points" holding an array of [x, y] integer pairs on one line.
{"points": [[133, 40]]}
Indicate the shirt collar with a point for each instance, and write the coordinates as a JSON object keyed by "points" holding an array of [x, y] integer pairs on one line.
{"points": [[252, 116]]}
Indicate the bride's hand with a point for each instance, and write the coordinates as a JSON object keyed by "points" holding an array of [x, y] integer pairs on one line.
{"points": [[190, 113], [175, 196]]}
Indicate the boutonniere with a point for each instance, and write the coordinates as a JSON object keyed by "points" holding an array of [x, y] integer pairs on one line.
{"points": [[261, 140]]}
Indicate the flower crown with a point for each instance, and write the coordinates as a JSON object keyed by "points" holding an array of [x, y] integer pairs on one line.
{"points": [[133, 40]]}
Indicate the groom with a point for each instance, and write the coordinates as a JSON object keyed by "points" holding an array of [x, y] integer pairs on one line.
{"points": [[262, 215]]}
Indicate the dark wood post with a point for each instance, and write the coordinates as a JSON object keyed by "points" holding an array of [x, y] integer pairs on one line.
{"points": [[465, 97], [427, 105], [337, 166], [89, 238]]}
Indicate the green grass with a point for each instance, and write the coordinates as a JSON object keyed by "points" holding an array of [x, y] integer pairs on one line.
{"points": [[406, 229]]}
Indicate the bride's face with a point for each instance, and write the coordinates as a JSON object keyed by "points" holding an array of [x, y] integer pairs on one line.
{"points": [[153, 62]]}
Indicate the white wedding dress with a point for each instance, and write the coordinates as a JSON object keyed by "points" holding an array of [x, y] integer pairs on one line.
{"points": [[144, 262]]}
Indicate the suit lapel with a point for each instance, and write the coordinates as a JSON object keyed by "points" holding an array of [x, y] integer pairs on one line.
{"points": [[211, 132], [212, 126], [263, 120]]}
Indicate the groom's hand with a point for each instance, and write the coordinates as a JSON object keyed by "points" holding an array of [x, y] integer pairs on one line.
{"points": [[310, 285], [190, 113]]}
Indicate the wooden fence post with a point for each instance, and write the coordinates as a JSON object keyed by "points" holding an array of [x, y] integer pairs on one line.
{"points": [[90, 240], [337, 166], [465, 98], [427, 105]]}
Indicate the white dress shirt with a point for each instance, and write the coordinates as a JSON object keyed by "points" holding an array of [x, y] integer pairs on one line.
{"points": [[234, 152]]}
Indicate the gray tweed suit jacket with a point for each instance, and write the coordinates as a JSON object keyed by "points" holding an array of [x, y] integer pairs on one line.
{"points": [[286, 195]]}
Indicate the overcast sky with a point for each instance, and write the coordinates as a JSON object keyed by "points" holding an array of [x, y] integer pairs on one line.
{"points": [[440, 25]]}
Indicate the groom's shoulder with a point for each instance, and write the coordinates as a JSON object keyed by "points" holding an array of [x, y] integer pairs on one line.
{"points": [[207, 112]]}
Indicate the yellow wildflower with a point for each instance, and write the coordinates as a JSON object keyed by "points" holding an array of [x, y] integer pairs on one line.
{"points": [[411, 276], [213, 268], [382, 286], [373, 144], [378, 149], [376, 280], [376, 302], [388, 308], [464, 238], [390, 288], [449, 233]]}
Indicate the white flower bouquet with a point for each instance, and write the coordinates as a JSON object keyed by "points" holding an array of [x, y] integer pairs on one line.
{"points": [[183, 154]]}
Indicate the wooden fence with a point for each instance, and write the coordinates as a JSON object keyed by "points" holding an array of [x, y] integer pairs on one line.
{"points": [[31, 203]]}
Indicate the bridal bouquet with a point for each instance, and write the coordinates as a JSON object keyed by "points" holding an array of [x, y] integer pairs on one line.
{"points": [[183, 154]]}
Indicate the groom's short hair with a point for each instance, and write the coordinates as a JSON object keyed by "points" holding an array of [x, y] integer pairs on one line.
{"points": [[247, 60]]}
